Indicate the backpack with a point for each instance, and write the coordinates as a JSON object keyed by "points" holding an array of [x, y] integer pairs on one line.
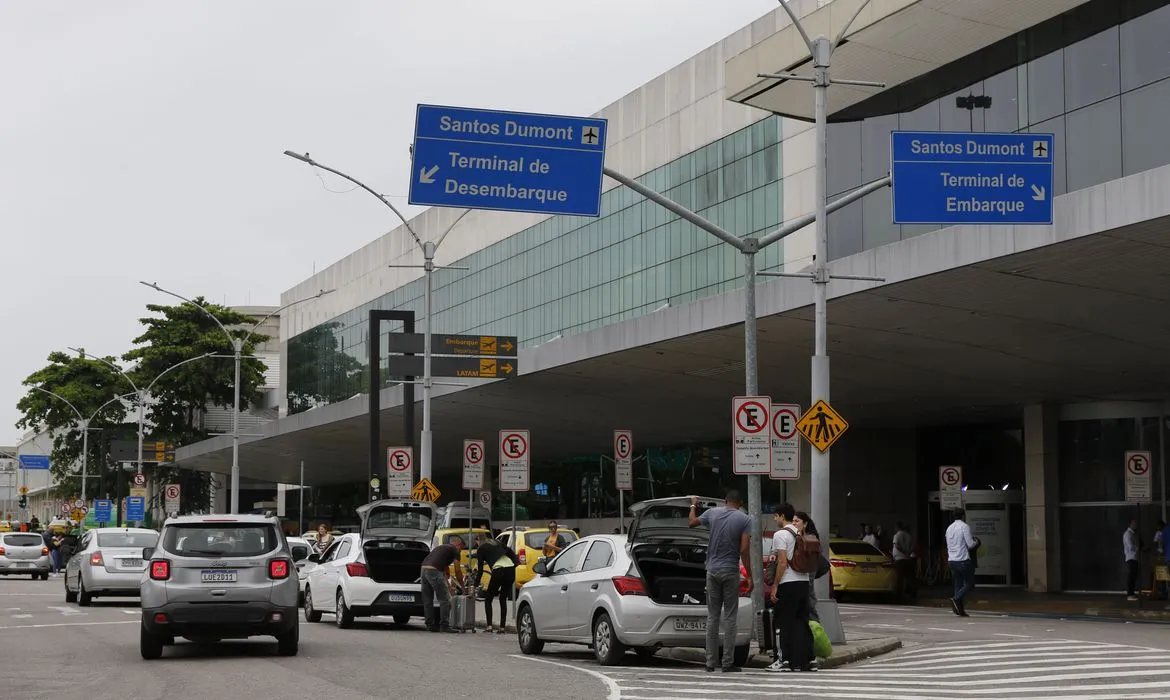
{"points": [[806, 556]]}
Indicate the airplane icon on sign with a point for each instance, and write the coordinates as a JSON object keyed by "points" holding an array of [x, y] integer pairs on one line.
{"points": [[590, 135], [1039, 149]]}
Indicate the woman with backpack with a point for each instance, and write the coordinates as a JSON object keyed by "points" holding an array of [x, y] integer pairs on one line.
{"points": [[795, 562]]}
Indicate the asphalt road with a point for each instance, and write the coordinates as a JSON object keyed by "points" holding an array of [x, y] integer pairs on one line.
{"points": [[53, 649]]}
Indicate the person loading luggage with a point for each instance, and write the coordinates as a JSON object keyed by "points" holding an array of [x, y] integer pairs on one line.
{"points": [[435, 570], [503, 562]]}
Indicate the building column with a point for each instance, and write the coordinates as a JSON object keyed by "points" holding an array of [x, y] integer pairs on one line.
{"points": [[1042, 497]]}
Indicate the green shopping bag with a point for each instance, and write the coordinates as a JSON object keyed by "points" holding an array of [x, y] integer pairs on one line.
{"points": [[822, 647]]}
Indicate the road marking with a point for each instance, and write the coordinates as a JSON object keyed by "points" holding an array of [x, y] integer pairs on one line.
{"points": [[18, 617], [28, 595], [942, 629], [68, 624], [66, 611], [615, 692], [1018, 636]]}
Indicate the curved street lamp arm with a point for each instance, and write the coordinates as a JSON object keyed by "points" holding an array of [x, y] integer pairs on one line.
{"points": [[799, 27], [103, 406], [66, 401], [109, 364], [306, 159], [259, 323], [175, 366], [856, 14], [453, 224], [154, 286]]}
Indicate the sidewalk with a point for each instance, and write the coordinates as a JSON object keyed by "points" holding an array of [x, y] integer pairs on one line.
{"points": [[1015, 601]]}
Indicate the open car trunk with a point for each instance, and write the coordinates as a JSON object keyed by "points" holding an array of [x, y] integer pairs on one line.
{"points": [[396, 537], [670, 556]]}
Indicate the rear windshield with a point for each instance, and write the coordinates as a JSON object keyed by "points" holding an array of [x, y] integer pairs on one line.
{"points": [[535, 540], [855, 549], [23, 540], [127, 539], [220, 539], [399, 517]]}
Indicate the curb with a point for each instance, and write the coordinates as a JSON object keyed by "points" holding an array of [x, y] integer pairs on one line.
{"points": [[841, 656], [1071, 611]]}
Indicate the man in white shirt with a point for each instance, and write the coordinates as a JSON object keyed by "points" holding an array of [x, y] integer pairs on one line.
{"points": [[1129, 545], [960, 542]]}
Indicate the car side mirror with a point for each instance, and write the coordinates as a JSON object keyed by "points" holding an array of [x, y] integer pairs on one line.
{"points": [[540, 569], [314, 557], [147, 552], [299, 554]]}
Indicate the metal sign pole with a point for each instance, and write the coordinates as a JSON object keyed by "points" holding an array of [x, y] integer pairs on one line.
{"points": [[301, 502], [515, 548]]}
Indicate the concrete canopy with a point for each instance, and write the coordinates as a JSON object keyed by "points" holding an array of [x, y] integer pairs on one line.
{"points": [[972, 323], [891, 41]]}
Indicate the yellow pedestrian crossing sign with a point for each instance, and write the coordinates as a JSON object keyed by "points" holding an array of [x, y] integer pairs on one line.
{"points": [[821, 425], [424, 490]]}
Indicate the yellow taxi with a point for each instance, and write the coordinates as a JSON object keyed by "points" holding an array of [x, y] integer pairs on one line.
{"points": [[856, 566], [444, 536], [530, 547], [5, 526]]}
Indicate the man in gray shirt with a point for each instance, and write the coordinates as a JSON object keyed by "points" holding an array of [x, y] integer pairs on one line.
{"points": [[728, 544]]}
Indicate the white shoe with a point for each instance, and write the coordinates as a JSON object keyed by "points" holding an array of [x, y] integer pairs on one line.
{"points": [[777, 666]]}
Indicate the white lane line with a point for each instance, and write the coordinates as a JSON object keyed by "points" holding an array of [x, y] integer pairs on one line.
{"points": [[1018, 636], [820, 694], [959, 686], [875, 691], [1024, 665], [66, 611], [942, 629], [21, 617], [28, 595], [68, 624], [615, 692], [1108, 670], [977, 658]]}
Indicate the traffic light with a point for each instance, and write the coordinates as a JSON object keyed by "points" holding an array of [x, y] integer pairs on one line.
{"points": [[23, 502]]}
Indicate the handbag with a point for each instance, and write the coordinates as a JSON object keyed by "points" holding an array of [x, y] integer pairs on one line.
{"points": [[824, 566]]}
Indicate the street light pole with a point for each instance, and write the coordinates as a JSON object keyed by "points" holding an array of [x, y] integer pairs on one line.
{"points": [[237, 354], [428, 249]]}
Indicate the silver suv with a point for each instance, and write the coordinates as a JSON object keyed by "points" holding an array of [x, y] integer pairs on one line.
{"points": [[215, 577]]}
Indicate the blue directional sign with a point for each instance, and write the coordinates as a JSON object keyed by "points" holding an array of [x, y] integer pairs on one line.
{"points": [[942, 177], [34, 461], [135, 508], [103, 510], [509, 161]]}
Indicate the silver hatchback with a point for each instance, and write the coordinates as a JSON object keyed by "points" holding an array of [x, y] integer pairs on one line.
{"points": [[24, 553], [215, 577]]}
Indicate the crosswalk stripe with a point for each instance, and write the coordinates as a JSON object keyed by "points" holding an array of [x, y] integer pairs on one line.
{"points": [[1129, 662], [1037, 657]]}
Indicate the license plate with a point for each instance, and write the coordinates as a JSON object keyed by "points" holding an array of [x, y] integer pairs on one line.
{"points": [[690, 624], [400, 597], [131, 563], [868, 568], [218, 576], [25, 564]]}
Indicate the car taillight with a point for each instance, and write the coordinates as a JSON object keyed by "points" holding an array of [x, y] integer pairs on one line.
{"points": [[278, 568], [522, 556], [841, 562], [743, 588], [160, 569], [44, 551], [629, 585], [357, 569], [2, 550], [95, 559]]}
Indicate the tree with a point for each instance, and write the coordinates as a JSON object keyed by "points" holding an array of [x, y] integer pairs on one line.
{"points": [[319, 372], [89, 385], [179, 397]]}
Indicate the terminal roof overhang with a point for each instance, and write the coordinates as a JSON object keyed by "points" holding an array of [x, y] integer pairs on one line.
{"points": [[972, 322], [891, 41]]}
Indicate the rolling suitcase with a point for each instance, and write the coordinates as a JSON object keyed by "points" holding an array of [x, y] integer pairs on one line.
{"points": [[463, 613]]}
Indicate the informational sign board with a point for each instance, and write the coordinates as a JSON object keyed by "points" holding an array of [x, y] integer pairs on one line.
{"points": [[509, 161], [136, 509], [751, 436], [399, 472], [951, 178], [822, 426], [426, 491], [623, 460], [171, 493], [950, 488], [103, 510], [515, 460], [472, 367], [785, 441], [139, 480], [473, 464], [444, 344], [1139, 487], [33, 461]]}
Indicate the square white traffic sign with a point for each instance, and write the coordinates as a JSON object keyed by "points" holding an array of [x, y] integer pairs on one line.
{"points": [[399, 472], [515, 460], [473, 461], [623, 460], [751, 435], [785, 441]]}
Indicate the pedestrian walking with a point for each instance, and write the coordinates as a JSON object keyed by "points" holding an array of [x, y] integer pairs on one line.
{"points": [[903, 552], [503, 562], [1129, 546], [794, 645], [727, 546], [806, 525], [436, 583], [960, 543]]}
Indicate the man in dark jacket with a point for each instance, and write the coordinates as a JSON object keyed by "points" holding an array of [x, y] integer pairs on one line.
{"points": [[503, 562]]}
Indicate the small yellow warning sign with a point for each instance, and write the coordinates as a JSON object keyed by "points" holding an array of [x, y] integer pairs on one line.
{"points": [[822, 426], [424, 490]]}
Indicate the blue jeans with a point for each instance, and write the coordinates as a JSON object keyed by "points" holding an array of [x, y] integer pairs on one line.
{"points": [[722, 606], [963, 576], [55, 558]]}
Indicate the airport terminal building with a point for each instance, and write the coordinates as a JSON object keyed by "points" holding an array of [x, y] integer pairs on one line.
{"points": [[1034, 357]]}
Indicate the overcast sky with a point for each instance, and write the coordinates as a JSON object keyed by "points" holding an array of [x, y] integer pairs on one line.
{"points": [[142, 139]]}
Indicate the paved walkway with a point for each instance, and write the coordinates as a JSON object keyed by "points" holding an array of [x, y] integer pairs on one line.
{"points": [[1020, 602]]}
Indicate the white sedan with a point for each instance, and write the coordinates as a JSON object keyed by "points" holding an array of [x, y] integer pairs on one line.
{"points": [[641, 592]]}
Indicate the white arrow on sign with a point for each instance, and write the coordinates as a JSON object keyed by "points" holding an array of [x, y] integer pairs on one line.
{"points": [[1039, 193], [427, 177]]}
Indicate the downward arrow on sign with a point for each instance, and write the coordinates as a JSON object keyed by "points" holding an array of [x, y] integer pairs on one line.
{"points": [[427, 177], [1039, 193]]}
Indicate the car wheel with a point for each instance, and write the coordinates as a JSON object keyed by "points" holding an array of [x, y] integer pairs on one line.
{"points": [[311, 614], [742, 654], [401, 619], [286, 644], [645, 653], [526, 630], [150, 645], [45, 576], [35, 576], [70, 596], [606, 647], [344, 616], [83, 599]]}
